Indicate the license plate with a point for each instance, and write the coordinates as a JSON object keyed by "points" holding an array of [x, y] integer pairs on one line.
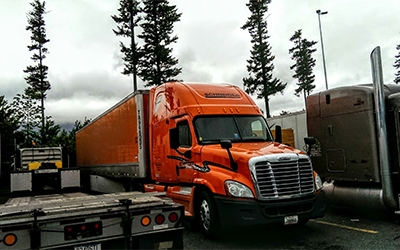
{"points": [[95, 246], [293, 219], [46, 171]]}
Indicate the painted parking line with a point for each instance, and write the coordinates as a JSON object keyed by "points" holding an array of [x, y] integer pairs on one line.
{"points": [[346, 227]]}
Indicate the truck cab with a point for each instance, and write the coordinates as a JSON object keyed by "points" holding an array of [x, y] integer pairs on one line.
{"points": [[344, 123], [211, 147]]}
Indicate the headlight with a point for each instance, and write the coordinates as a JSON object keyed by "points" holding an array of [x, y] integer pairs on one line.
{"points": [[318, 182], [237, 189]]}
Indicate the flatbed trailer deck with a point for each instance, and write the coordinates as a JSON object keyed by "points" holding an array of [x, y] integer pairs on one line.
{"points": [[82, 221]]}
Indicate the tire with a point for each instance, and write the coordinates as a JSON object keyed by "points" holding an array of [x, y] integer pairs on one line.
{"points": [[208, 220]]}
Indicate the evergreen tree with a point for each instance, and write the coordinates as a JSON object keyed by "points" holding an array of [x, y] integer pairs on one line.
{"points": [[8, 128], [27, 112], [260, 65], [37, 74], [397, 66], [127, 20], [304, 63], [158, 66], [51, 133], [67, 140]]}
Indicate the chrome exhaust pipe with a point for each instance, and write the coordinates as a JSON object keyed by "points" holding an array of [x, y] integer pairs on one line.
{"points": [[383, 148]]}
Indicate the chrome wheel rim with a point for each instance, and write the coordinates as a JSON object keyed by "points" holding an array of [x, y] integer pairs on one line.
{"points": [[205, 214]]}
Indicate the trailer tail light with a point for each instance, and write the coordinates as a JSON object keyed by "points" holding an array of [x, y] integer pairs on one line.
{"points": [[173, 217], [84, 230], [160, 219], [10, 239], [146, 220]]}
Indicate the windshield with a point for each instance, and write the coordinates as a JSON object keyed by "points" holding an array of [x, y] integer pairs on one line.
{"points": [[213, 129]]}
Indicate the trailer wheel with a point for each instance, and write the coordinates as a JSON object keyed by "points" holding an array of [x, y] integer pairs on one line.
{"points": [[207, 215]]}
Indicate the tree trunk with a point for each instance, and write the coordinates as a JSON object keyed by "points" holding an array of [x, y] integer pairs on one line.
{"points": [[133, 51], [266, 100]]}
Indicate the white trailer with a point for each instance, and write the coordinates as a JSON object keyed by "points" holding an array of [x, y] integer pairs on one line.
{"points": [[296, 122]]}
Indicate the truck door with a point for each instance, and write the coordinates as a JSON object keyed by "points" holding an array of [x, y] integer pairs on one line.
{"points": [[181, 151]]}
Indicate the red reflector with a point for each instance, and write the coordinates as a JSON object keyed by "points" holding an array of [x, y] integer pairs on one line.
{"points": [[69, 229], [96, 226], [160, 219], [83, 227], [173, 217], [10, 239]]}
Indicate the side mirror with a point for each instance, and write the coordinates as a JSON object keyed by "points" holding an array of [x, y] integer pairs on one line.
{"points": [[278, 133], [174, 142], [174, 138], [226, 144], [309, 141], [188, 154]]}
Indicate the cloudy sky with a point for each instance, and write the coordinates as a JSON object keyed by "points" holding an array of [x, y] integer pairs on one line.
{"points": [[85, 61]]}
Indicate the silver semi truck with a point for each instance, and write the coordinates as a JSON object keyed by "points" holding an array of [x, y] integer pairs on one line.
{"points": [[357, 149]]}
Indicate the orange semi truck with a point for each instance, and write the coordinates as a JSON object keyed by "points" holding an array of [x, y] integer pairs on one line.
{"points": [[209, 148]]}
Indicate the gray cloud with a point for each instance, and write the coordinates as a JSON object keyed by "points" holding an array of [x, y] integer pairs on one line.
{"points": [[85, 62]]}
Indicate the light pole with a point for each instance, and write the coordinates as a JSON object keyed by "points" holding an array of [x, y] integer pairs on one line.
{"points": [[322, 43]]}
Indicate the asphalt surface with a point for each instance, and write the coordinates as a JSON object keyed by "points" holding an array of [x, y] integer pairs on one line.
{"points": [[340, 228]]}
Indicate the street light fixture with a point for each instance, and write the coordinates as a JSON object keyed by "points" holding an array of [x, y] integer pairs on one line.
{"points": [[322, 43]]}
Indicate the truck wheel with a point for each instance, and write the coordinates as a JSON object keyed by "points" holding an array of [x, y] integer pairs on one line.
{"points": [[207, 215]]}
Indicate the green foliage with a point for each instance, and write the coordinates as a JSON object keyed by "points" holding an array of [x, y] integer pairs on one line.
{"points": [[8, 127], [260, 65], [158, 66], [397, 66], [50, 133], [38, 85], [304, 63], [8, 120], [37, 74], [127, 20], [27, 111], [67, 140]]}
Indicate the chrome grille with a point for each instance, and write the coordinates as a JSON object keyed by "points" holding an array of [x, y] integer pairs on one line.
{"points": [[277, 178]]}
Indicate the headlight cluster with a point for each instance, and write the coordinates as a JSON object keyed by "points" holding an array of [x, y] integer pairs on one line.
{"points": [[318, 182], [237, 189]]}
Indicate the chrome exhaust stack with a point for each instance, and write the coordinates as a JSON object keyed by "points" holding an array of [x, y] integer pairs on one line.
{"points": [[378, 196], [383, 148]]}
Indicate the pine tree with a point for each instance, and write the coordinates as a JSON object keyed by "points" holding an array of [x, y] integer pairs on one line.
{"points": [[8, 128], [37, 74], [67, 140], [304, 63], [50, 132], [260, 65], [397, 66], [127, 20], [158, 66], [27, 112]]}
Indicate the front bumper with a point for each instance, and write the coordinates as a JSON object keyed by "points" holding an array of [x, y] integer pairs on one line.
{"points": [[245, 212]]}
